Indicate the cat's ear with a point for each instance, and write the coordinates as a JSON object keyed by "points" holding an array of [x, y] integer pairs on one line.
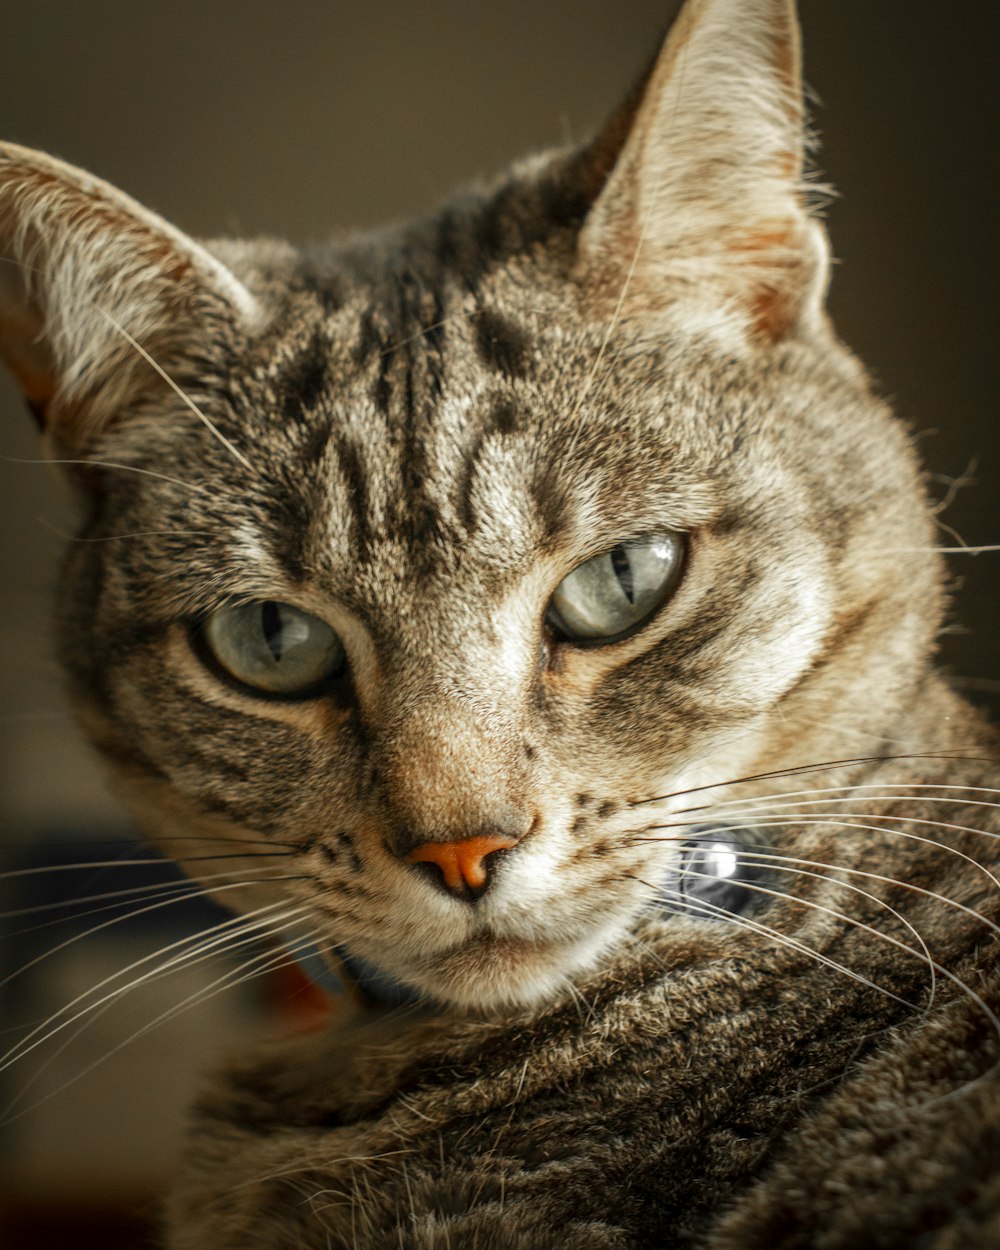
{"points": [[704, 206], [83, 269]]}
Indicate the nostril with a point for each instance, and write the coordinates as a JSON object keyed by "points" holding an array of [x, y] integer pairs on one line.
{"points": [[462, 867]]}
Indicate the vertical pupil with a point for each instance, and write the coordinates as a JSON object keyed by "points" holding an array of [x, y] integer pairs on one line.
{"points": [[270, 623], [623, 571]]}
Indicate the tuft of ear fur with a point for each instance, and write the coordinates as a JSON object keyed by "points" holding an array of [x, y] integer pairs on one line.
{"points": [[80, 262], [705, 207]]}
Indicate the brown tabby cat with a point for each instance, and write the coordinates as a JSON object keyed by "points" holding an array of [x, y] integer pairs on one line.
{"points": [[496, 598]]}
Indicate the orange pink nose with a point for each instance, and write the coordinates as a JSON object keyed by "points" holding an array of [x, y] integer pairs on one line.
{"points": [[462, 863]]}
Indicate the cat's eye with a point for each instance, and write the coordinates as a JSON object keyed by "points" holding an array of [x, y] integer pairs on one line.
{"points": [[273, 647], [614, 592]]}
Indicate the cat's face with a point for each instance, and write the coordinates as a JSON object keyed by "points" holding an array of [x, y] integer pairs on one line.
{"points": [[497, 529]]}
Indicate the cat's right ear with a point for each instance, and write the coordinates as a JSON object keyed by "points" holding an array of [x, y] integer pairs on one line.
{"points": [[83, 269], [702, 209]]}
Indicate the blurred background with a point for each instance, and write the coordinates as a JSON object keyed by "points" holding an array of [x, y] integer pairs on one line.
{"points": [[295, 118]]}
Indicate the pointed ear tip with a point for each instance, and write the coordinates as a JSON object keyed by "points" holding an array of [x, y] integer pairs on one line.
{"points": [[29, 163], [16, 154]]}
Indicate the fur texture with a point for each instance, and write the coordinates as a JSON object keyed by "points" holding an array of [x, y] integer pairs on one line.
{"points": [[415, 438]]}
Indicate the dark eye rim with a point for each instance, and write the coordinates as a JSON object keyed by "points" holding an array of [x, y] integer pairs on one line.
{"points": [[563, 636], [333, 683]]}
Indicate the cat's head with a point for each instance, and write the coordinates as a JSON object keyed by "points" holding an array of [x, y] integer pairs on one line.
{"points": [[415, 567]]}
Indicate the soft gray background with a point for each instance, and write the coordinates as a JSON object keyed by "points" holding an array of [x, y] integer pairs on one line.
{"points": [[291, 118]]}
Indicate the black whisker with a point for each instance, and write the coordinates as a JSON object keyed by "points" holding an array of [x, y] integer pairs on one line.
{"points": [[805, 769]]}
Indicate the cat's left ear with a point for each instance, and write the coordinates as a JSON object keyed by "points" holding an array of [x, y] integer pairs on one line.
{"points": [[704, 209], [84, 268]]}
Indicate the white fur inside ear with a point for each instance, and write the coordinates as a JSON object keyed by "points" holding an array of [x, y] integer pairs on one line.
{"points": [[705, 208], [80, 258]]}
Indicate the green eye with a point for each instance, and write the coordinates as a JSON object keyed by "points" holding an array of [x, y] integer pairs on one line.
{"points": [[273, 647], [612, 593]]}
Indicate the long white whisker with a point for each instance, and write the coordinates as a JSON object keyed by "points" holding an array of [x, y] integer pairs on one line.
{"points": [[179, 392], [935, 967], [217, 945], [842, 917], [848, 791], [179, 895], [284, 957], [79, 904], [110, 538], [801, 770], [85, 866], [111, 464], [782, 939], [37, 1036], [777, 858]]}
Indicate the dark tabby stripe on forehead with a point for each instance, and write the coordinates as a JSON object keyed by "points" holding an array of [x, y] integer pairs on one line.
{"points": [[355, 478], [405, 329], [306, 382], [502, 344]]}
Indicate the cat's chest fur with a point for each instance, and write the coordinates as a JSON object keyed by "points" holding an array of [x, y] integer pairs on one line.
{"points": [[748, 1099], [490, 601]]}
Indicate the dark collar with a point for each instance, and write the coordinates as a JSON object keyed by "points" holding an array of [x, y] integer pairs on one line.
{"points": [[352, 972]]}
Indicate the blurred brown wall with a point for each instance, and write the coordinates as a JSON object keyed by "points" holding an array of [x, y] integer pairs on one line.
{"points": [[292, 117]]}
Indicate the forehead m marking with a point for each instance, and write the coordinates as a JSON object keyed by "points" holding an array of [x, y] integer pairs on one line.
{"points": [[404, 329]]}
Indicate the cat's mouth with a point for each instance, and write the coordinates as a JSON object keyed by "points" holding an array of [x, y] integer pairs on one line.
{"points": [[716, 875]]}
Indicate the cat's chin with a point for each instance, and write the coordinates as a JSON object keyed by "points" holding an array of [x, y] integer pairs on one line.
{"points": [[490, 972]]}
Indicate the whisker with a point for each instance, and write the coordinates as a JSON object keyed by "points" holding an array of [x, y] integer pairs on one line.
{"points": [[111, 464], [110, 538], [837, 819], [783, 939], [935, 968], [798, 770], [258, 917], [102, 866], [842, 917], [848, 791], [168, 893], [778, 858], [179, 392], [212, 949], [74, 907], [284, 957]]}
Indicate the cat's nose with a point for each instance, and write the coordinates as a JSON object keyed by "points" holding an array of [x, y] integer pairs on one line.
{"points": [[464, 865]]}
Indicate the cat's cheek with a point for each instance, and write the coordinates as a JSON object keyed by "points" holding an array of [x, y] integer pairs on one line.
{"points": [[201, 842]]}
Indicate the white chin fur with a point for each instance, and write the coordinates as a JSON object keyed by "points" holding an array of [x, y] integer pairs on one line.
{"points": [[486, 979]]}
